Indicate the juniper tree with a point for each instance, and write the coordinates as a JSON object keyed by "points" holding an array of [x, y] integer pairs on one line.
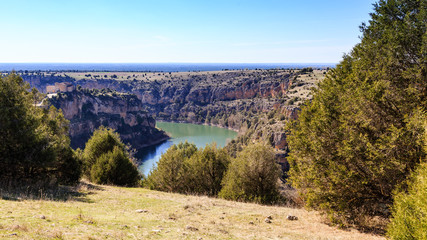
{"points": [[361, 134]]}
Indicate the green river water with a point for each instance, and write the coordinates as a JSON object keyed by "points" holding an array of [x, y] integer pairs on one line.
{"points": [[181, 132]]}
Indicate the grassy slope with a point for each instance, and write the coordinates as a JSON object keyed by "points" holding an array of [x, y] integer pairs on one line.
{"points": [[105, 212]]}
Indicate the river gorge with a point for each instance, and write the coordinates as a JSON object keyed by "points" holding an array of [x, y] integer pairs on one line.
{"points": [[200, 135]]}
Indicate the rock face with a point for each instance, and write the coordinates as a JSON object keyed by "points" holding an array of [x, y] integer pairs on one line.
{"points": [[89, 109]]}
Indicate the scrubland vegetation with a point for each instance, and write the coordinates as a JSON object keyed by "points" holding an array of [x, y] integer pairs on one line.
{"points": [[357, 152]]}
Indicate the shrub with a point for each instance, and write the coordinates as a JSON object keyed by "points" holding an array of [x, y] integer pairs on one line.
{"points": [[252, 176], [186, 169], [107, 160], [169, 173], [115, 168], [205, 170], [103, 140]]}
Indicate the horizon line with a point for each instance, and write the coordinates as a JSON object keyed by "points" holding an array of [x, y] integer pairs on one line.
{"points": [[168, 62]]}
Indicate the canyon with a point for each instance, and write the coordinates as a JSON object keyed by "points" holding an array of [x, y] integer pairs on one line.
{"points": [[257, 103]]}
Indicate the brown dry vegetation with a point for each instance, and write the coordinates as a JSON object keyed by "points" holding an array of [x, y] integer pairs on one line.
{"points": [[151, 76], [105, 212]]}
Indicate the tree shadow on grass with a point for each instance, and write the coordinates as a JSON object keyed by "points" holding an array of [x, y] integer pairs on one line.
{"points": [[52, 192]]}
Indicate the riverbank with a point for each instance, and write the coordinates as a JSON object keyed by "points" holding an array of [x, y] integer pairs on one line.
{"points": [[204, 124], [106, 212], [155, 142]]}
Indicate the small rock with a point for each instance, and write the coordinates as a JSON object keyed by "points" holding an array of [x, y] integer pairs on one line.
{"points": [[270, 217], [292, 218], [157, 230], [42, 217], [13, 234], [221, 217], [191, 228], [267, 220], [141, 211], [252, 223]]}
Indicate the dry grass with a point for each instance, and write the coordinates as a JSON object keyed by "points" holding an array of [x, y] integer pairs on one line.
{"points": [[306, 82], [153, 76], [147, 76], [107, 212]]}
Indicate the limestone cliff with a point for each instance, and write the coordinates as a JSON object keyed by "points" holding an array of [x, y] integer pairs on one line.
{"points": [[88, 109], [236, 99]]}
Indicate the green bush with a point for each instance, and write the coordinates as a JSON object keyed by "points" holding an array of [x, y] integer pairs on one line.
{"points": [[252, 176], [186, 169], [103, 140], [115, 168], [170, 172], [206, 169], [107, 160]]}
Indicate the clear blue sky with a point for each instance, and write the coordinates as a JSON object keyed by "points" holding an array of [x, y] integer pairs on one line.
{"points": [[209, 31]]}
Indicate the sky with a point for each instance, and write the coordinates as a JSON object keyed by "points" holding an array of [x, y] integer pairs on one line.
{"points": [[180, 31]]}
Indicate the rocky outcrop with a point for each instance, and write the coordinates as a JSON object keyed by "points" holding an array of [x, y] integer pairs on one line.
{"points": [[89, 109]]}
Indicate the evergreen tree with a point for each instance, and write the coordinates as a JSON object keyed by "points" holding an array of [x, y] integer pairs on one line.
{"points": [[103, 140], [35, 146], [361, 135]]}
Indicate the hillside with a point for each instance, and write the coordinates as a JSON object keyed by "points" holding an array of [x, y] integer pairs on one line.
{"points": [[105, 212]]}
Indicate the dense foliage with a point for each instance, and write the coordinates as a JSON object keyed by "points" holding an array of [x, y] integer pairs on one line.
{"points": [[410, 208], [362, 133], [107, 160], [35, 147], [252, 176], [186, 169], [206, 169]]}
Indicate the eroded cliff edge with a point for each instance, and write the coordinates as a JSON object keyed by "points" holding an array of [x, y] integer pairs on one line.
{"points": [[88, 109]]}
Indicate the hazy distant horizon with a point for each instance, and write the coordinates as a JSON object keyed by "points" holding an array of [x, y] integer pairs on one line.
{"points": [[172, 67]]}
